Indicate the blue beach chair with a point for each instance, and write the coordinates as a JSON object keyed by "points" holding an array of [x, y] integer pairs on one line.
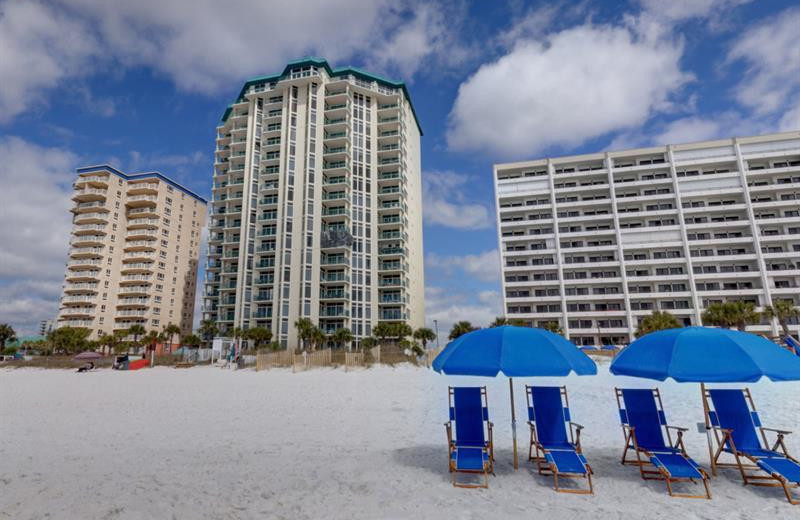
{"points": [[551, 448], [792, 344], [471, 449], [644, 424], [738, 431]]}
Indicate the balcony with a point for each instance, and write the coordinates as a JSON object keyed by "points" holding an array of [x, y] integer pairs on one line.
{"points": [[135, 278], [335, 260], [141, 200], [90, 218], [95, 180], [79, 299], [139, 255], [75, 323], [83, 264], [133, 290], [336, 195], [140, 266], [88, 228], [143, 222], [133, 302], [77, 252], [334, 294], [392, 315], [141, 233], [140, 244], [144, 212], [88, 194], [334, 312], [136, 188], [131, 313], [392, 251], [337, 277], [83, 207], [81, 287]]}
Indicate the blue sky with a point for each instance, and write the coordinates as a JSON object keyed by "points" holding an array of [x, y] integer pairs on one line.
{"points": [[141, 85]]}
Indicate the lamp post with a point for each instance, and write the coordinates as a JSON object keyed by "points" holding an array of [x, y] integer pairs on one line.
{"points": [[436, 327]]}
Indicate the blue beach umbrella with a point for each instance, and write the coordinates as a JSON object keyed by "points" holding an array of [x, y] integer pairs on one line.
{"points": [[516, 352], [706, 355]]}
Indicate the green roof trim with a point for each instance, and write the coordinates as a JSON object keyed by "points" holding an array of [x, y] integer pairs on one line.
{"points": [[334, 73]]}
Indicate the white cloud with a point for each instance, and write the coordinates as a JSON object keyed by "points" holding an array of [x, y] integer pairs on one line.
{"points": [[689, 129], [446, 203], [679, 10], [39, 47], [770, 52], [209, 46], [791, 116], [34, 206], [483, 266], [447, 307], [575, 85]]}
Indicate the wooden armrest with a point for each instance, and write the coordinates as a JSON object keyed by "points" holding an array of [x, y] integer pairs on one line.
{"points": [[678, 428], [779, 432], [576, 425]]}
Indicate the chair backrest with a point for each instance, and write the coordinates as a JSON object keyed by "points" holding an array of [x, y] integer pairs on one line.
{"points": [[548, 413], [642, 413], [791, 342], [469, 414], [731, 411]]}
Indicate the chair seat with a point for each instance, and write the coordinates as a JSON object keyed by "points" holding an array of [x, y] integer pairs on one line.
{"points": [[469, 444], [659, 449], [788, 469], [676, 465], [470, 459], [567, 461], [559, 446], [756, 452]]}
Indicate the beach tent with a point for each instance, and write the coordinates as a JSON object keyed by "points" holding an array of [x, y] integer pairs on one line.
{"points": [[516, 352]]}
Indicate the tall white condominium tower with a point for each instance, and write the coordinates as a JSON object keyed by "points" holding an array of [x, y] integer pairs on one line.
{"points": [[133, 253], [595, 242], [316, 209]]}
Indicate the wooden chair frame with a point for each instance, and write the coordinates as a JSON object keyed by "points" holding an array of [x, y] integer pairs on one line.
{"points": [[488, 467], [647, 469], [545, 468], [747, 464]]}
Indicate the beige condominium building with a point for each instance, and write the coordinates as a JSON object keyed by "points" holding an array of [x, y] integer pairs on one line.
{"points": [[316, 208], [596, 242], [133, 253]]}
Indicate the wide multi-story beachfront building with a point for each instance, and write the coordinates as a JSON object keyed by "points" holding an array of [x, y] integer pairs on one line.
{"points": [[133, 253], [316, 208], [596, 242]]}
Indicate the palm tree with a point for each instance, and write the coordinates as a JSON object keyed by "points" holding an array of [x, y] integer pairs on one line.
{"points": [[208, 329], [260, 336], [107, 341], [743, 314], [170, 330], [316, 338], [342, 336], [424, 335], [368, 342], [554, 327], [460, 328], [304, 328], [783, 311], [136, 330], [658, 320], [382, 330], [153, 338], [402, 330], [716, 315], [6, 334], [191, 340]]}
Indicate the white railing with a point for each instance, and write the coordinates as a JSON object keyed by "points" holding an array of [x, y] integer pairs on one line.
{"points": [[131, 313], [137, 198], [96, 214], [137, 243], [89, 227], [140, 254], [143, 186], [139, 232], [73, 263], [82, 250], [90, 191], [135, 277], [133, 301], [140, 265], [93, 178], [80, 286], [75, 323], [74, 299]]}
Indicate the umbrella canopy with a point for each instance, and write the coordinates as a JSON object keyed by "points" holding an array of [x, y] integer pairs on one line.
{"points": [[514, 351], [706, 355], [88, 356]]}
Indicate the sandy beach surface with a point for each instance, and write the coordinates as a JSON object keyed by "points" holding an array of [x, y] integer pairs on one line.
{"points": [[367, 444]]}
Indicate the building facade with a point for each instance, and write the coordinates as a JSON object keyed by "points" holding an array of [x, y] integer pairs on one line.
{"points": [[133, 254], [316, 209], [596, 242]]}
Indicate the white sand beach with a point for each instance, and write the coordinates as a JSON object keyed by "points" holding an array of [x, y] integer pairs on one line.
{"points": [[209, 443]]}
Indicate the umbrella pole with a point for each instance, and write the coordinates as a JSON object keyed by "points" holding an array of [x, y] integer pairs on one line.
{"points": [[708, 430], [513, 421]]}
